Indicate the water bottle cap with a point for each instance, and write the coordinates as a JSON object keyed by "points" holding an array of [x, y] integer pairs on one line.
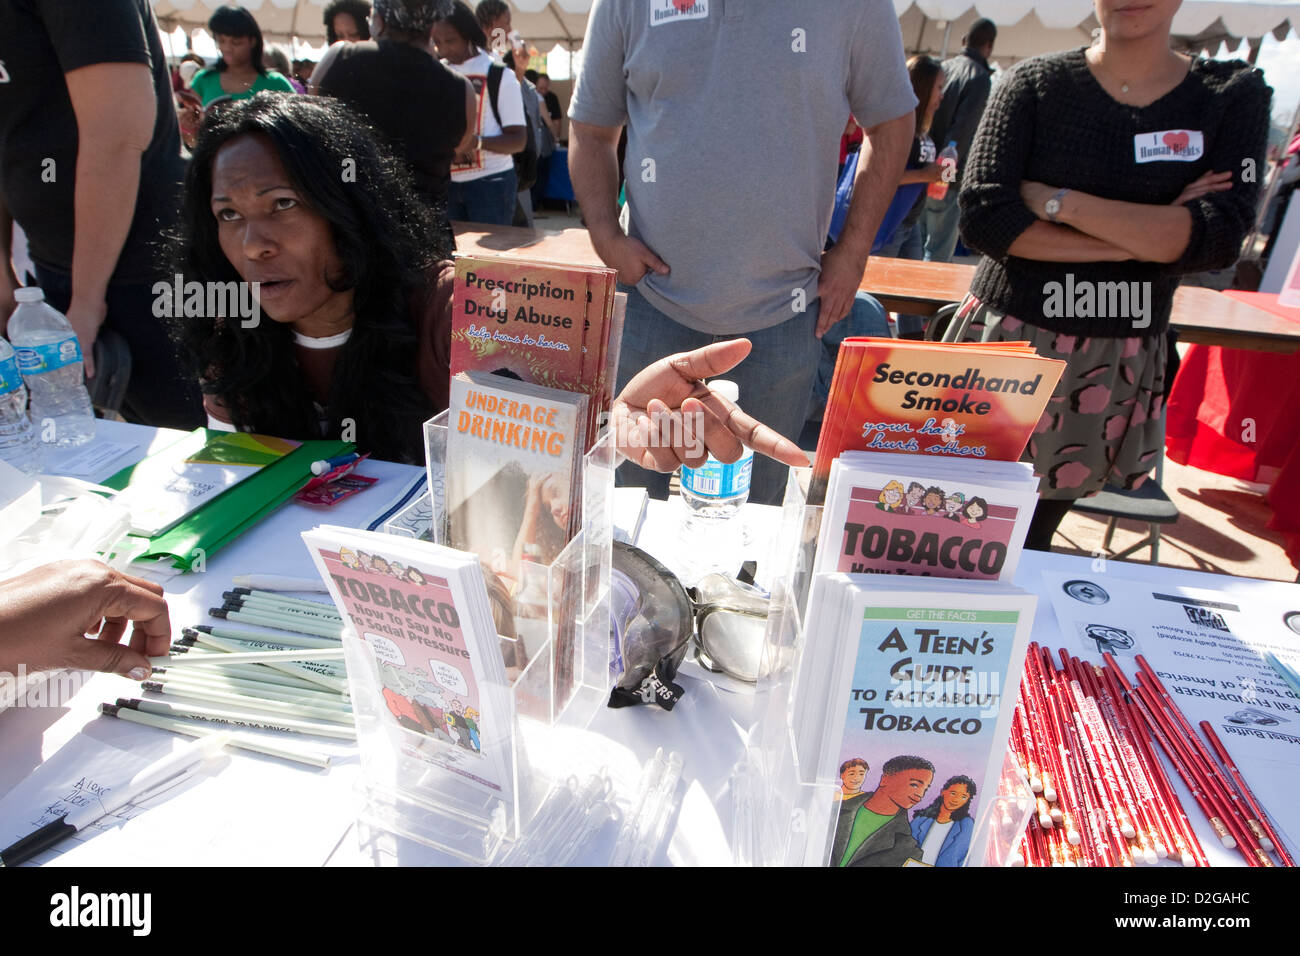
{"points": [[29, 293], [728, 390]]}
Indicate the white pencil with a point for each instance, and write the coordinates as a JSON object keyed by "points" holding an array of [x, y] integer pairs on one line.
{"points": [[199, 729], [251, 602], [254, 688], [248, 657], [239, 718], [302, 626], [260, 672], [338, 715], [283, 640], [278, 582], [321, 673]]}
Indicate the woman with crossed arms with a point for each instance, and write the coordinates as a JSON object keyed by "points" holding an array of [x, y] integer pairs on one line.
{"points": [[1098, 178]]}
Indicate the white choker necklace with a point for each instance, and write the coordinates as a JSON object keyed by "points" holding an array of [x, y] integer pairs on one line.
{"points": [[327, 342]]}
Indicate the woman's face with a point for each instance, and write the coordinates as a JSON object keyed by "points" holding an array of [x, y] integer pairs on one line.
{"points": [[346, 27], [893, 497], [955, 797], [236, 51], [269, 233], [1135, 19], [452, 47]]}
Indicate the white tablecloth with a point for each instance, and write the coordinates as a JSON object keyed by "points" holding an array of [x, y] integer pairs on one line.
{"points": [[256, 810]]}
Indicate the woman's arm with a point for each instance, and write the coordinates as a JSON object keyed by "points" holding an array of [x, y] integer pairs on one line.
{"points": [[993, 215], [1146, 232], [1047, 242], [929, 173]]}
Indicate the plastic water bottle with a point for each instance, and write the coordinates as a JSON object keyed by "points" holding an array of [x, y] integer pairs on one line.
{"points": [[49, 358], [18, 444], [947, 160], [715, 490]]}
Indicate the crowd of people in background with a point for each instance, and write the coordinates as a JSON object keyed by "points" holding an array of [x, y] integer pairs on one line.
{"points": [[713, 202]]}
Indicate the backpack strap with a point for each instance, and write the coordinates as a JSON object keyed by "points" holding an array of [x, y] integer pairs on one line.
{"points": [[495, 72]]}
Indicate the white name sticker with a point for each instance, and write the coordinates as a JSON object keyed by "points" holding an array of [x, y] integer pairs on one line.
{"points": [[1169, 146], [673, 11]]}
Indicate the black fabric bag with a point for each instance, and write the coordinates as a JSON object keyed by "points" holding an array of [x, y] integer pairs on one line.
{"points": [[526, 158]]}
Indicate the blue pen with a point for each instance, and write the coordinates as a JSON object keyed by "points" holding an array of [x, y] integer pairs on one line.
{"points": [[1285, 671], [326, 465]]}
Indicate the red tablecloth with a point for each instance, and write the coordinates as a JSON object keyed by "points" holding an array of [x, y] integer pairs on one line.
{"points": [[1236, 412]]}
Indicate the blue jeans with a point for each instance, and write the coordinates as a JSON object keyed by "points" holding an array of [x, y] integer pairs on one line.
{"points": [[907, 244], [775, 381], [939, 226], [867, 317], [490, 200]]}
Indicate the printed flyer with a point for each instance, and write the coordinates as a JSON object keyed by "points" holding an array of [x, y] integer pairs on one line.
{"points": [[919, 722]]}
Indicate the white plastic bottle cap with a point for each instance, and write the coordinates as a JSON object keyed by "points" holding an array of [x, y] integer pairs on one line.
{"points": [[29, 293], [728, 390]]}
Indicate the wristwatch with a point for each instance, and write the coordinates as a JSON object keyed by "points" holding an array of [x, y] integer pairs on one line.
{"points": [[1053, 205]]}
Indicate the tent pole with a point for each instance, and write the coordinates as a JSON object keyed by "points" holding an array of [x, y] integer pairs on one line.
{"points": [[1270, 191], [947, 33]]}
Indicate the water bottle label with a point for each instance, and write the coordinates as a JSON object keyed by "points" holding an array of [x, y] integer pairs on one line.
{"points": [[35, 359], [10, 377], [716, 480]]}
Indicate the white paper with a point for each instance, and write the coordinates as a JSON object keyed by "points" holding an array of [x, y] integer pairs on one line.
{"points": [[89, 461]]}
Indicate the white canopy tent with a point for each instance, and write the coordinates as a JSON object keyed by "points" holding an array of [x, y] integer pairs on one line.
{"points": [[1026, 27], [544, 22], [1030, 27]]}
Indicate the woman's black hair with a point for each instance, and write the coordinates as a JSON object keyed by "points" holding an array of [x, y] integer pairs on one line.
{"points": [[464, 22], [387, 243], [962, 812], [358, 10], [234, 21], [976, 502]]}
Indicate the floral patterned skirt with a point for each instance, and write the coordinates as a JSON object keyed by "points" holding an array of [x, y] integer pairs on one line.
{"points": [[1103, 424]]}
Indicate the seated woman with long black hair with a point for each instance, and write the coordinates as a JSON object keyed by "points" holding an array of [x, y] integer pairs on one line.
{"points": [[354, 287]]}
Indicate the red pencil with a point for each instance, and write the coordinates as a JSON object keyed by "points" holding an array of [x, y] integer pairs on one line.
{"points": [[1180, 828], [1202, 766], [1144, 831], [1231, 830], [1261, 823], [1145, 797], [1098, 848], [1055, 746], [1234, 804]]}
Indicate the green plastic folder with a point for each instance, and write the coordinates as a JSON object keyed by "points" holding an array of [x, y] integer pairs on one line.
{"points": [[226, 517]]}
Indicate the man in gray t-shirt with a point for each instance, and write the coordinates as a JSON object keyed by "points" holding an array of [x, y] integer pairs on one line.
{"points": [[734, 110]]}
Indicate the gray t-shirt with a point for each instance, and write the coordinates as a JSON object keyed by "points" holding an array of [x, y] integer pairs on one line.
{"points": [[735, 110]]}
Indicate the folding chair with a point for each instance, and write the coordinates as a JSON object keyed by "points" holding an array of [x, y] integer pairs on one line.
{"points": [[1148, 502]]}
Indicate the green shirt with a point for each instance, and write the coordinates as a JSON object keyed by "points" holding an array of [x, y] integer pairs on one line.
{"points": [[207, 85], [865, 823]]}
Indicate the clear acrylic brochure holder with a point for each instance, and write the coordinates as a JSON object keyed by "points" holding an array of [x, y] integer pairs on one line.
{"points": [[558, 670], [791, 808]]}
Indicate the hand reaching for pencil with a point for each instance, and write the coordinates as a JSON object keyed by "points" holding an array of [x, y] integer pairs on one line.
{"points": [[666, 416], [47, 613]]}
